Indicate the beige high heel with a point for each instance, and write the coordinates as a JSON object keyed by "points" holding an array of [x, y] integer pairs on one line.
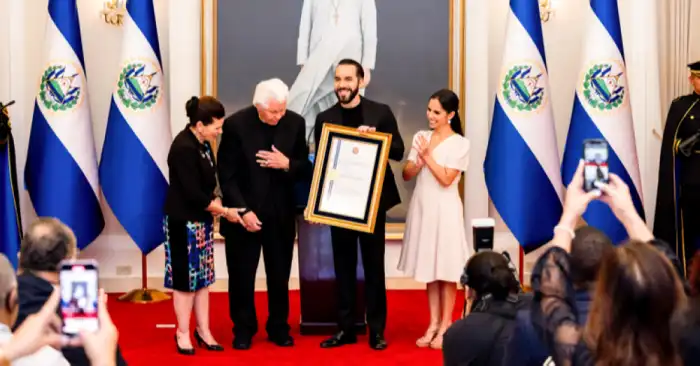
{"points": [[427, 338], [437, 341]]}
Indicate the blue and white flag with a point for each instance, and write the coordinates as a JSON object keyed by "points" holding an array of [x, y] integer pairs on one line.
{"points": [[61, 170], [602, 111], [134, 167], [522, 159]]}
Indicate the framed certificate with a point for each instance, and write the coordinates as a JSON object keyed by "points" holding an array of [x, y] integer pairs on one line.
{"points": [[348, 178]]}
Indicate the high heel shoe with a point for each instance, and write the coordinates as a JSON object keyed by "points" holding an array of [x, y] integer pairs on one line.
{"points": [[205, 345], [437, 341], [183, 351], [426, 339]]}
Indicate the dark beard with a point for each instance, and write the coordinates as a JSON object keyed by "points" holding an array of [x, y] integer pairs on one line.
{"points": [[353, 94]]}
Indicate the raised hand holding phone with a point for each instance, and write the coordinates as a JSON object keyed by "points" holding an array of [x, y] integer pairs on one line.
{"points": [[596, 169], [79, 296], [100, 346]]}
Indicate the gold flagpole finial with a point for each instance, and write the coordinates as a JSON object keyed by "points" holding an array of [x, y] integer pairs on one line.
{"points": [[113, 11]]}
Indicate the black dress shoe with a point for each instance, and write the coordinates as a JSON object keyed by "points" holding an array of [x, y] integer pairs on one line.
{"points": [[207, 346], [377, 342], [183, 351], [241, 343], [282, 341], [339, 339]]}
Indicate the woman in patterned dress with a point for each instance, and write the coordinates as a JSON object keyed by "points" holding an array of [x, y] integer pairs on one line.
{"points": [[190, 207]]}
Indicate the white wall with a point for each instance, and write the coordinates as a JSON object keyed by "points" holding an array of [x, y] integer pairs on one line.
{"points": [[4, 56], [21, 33]]}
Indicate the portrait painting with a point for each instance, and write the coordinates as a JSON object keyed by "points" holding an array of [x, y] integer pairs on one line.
{"points": [[405, 47]]}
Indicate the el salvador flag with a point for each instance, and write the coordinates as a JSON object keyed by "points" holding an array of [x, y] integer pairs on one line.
{"points": [[602, 111], [134, 168], [522, 158], [61, 170]]}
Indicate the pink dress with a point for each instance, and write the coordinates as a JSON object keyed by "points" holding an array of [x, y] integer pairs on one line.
{"points": [[435, 243]]}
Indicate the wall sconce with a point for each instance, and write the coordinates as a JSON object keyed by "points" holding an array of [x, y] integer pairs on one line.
{"points": [[546, 9], [113, 11]]}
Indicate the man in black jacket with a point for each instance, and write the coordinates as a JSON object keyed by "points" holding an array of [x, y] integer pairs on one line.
{"points": [[678, 190], [263, 153], [46, 243], [352, 110]]}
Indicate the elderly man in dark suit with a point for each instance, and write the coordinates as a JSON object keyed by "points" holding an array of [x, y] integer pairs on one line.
{"points": [[262, 154], [352, 110]]}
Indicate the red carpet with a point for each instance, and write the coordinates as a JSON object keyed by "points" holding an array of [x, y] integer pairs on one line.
{"points": [[144, 344]]}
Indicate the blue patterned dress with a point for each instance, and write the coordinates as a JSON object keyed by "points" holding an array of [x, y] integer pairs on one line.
{"points": [[189, 250]]}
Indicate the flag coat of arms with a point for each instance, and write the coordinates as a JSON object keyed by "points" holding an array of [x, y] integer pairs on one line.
{"points": [[602, 110], [522, 166], [133, 168], [61, 169]]}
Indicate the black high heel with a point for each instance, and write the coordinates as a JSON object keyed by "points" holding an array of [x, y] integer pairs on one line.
{"points": [[205, 345], [183, 351]]}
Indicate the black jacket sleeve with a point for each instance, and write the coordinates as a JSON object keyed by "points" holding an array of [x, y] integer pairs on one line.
{"points": [[388, 124], [318, 127], [299, 164], [230, 162], [665, 218], [183, 164]]}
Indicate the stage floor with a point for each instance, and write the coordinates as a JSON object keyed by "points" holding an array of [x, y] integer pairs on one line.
{"points": [[146, 336]]}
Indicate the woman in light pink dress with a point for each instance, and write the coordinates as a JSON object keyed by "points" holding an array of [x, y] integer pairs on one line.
{"points": [[435, 246]]}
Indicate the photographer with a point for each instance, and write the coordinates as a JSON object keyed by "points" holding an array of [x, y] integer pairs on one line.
{"points": [[481, 337]]}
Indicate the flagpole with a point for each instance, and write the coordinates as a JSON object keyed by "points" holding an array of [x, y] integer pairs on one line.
{"points": [[144, 295]]}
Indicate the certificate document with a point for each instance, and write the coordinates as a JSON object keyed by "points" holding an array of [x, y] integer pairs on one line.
{"points": [[348, 176], [348, 182]]}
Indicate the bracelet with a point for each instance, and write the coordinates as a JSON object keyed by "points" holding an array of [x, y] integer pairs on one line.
{"points": [[566, 229]]}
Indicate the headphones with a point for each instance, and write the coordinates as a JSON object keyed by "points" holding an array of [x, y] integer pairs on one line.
{"points": [[483, 302], [464, 278]]}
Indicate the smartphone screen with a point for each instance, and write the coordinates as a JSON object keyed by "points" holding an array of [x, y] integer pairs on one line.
{"points": [[79, 296], [595, 170]]}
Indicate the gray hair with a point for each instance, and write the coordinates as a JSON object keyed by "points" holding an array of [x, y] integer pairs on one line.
{"points": [[266, 90], [46, 243], [8, 279]]}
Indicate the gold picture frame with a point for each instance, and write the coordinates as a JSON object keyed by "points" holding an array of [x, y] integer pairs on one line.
{"points": [[456, 66], [313, 212]]}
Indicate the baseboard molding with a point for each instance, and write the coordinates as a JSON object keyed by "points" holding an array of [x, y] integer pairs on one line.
{"points": [[120, 285]]}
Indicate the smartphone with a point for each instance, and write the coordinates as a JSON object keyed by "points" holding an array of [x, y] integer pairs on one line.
{"points": [[595, 160], [79, 296]]}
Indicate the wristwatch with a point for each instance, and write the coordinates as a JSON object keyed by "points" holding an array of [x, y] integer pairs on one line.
{"points": [[245, 211]]}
